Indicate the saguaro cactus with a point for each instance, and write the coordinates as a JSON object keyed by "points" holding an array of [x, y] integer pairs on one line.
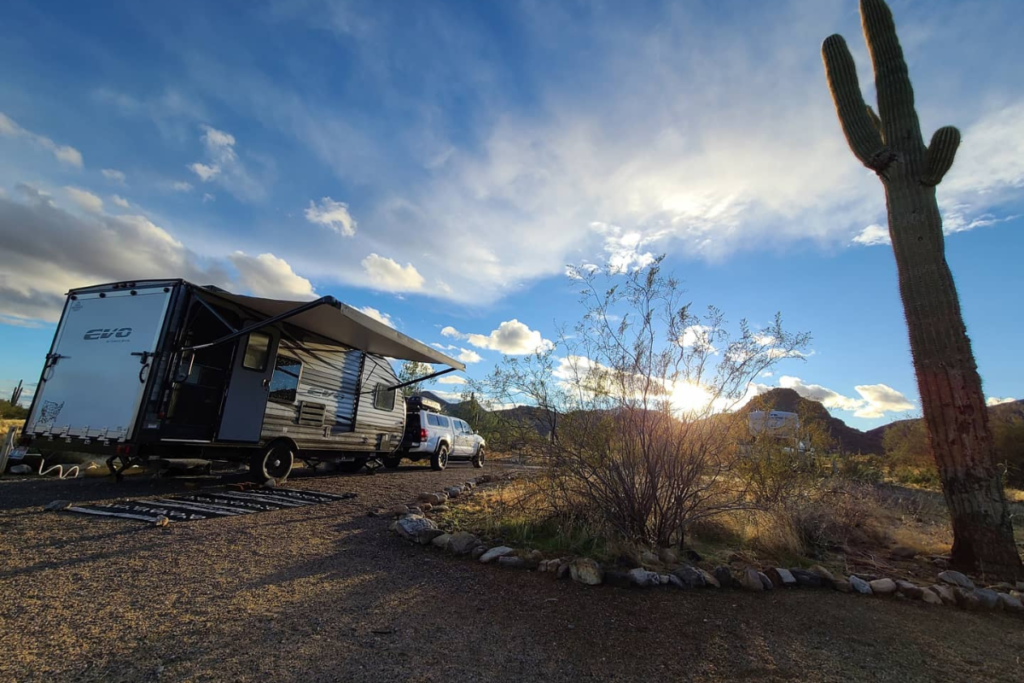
{"points": [[890, 144]]}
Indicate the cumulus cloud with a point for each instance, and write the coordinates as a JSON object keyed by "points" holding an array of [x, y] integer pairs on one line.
{"points": [[378, 315], [269, 276], [875, 399], [85, 200], [511, 337], [63, 153], [224, 167], [49, 250], [388, 275], [697, 336], [465, 355], [996, 401], [114, 176], [181, 186], [451, 379], [333, 215], [872, 235], [120, 201]]}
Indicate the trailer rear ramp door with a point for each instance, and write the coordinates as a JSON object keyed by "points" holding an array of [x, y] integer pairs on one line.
{"points": [[96, 373]]}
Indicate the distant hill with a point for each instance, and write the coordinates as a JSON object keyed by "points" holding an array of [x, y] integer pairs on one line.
{"points": [[1001, 412]]}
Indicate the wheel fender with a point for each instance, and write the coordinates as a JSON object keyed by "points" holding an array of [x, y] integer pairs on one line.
{"points": [[443, 442], [284, 441]]}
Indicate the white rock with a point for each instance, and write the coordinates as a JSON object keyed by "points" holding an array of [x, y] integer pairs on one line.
{"points": [[643, 578], [495, 553], [587, 571], [930, 597], [412, 527], [859, 585], [883, 586], [462, 543]]}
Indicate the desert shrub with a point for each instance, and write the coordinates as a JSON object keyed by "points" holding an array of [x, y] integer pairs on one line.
{"points": [[1009, 439], [842, 515]]}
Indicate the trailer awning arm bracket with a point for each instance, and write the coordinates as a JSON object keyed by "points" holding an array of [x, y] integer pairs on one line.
{"points": [[216, 314], [422, 379], [322, 301]]}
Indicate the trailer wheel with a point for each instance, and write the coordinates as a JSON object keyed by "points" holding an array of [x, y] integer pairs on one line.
{"points": [[392, 461], [273, 463], [478, 459], [352, 466], [439, 460]]}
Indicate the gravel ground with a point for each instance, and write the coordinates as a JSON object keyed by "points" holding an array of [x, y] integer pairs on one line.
{"points": [[325, 593]]}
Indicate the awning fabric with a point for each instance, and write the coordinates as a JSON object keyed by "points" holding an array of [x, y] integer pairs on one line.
{"points": [[341, 323]]}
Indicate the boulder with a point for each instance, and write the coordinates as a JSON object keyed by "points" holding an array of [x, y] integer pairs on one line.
{"points": [[725, 577], [664, 579], [400, 510], [643, 578], [842, 585], [689, 576], [1011, 603], [944, 592], [883, 586], [425, 507], [750, 579], [668, 556], [563, 571], [930, 597], [910, 590], [442, 541], [807, 579], [512, 562], [765, 581], [439, 508], [709, 579], [56, 505], [478, 552], [453, 491], [463, 543], [781, 578], [825, 574], [956, 579], [533, 556], [495, 553], [966, 599], [585, 570], [413, 527], [424, 497], [988, 598], [413, 510], [859, 585]]}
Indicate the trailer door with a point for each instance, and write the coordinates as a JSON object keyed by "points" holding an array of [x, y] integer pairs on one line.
{"points": [[249, 387], [97, 372]]}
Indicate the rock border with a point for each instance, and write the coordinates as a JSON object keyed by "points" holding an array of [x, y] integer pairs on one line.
{"points": [[951, 587]]}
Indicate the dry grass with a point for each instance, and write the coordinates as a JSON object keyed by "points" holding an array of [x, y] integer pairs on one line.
{"points": [[7, 424]]}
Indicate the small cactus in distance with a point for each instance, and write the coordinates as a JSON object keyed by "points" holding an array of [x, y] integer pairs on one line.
{"points": [[890, 143]]}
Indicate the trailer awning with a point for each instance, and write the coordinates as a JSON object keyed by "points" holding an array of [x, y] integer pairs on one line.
{"points": [[329, 318]]}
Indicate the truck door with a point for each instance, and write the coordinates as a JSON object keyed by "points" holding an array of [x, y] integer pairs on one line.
{"points": [[95, 376], [249, 386]]}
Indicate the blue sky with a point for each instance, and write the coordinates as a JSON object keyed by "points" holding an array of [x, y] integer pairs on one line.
{"points": [[441, 163]]}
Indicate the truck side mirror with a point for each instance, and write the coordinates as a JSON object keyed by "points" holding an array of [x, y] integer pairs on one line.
{"points": [[185, 366]]}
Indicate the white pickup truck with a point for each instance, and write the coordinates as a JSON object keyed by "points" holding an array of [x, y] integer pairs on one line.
{"points": [[441, 438]]}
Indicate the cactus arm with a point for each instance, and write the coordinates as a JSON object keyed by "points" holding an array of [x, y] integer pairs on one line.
{"points": [[861, 134], [941, 153], [901, 128]]}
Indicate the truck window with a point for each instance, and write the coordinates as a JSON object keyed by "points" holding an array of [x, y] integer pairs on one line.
{"points": [[285, 382], [442, 422], [257, 350], [383, 398], [432, 420]]}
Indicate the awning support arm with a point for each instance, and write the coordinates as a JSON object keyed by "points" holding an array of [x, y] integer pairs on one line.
{"points": [[421, 379], [323, 301], [215, 313]]}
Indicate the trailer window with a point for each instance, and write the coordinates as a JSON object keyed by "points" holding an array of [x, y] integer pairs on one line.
{"points": [[383, 398], [257, 350], [285, 383]]}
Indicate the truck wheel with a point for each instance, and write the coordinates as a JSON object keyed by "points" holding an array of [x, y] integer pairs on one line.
{"points": [[352, 466], [439, 460], [391, 461], [478, 459], [273, 463]]}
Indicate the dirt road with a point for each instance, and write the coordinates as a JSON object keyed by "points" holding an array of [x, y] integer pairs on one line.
{"points": [[325, 593]]}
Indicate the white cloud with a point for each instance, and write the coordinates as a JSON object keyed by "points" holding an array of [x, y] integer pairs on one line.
{"points": [[451, 379], [224, 167], [114, 176], [63, 153], [996, 401], [699, 336], [48, 250], [85, 200], [181, 186], [207, 197], [872, 235], [333, 215], [469, 356], [378, 315], [875, 400], [386, 274], [120, 201], [269, 276], [511, 337]]}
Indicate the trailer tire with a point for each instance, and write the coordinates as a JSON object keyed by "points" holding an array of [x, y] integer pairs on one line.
{"points": [[275, 462], [478, 459], [352, 466], [439, 460], [391, 461]]}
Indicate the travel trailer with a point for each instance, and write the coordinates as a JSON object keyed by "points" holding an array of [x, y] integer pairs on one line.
{"points": [[161, 369]]}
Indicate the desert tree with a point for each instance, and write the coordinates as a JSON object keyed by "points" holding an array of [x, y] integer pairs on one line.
{"points": [[889, 143], [408, 372]]}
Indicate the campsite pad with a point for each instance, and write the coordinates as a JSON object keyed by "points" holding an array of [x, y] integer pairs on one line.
{"points": [[199, 505]]}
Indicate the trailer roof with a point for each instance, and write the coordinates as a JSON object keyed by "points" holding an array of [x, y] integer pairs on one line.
{"points": [[339, 322]]}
